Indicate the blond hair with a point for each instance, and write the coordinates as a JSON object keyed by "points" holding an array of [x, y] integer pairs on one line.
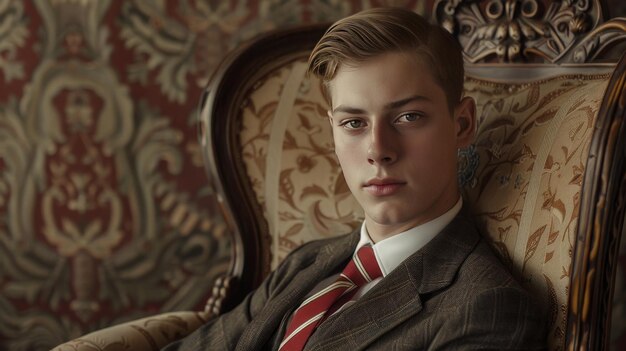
{"points": [[377, 31]]}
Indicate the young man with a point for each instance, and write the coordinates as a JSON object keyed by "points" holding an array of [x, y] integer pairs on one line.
{"points": [[421, 276]]}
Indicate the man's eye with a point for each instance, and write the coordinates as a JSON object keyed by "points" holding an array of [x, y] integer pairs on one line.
{"points": [[353, 124], [409, 117]]}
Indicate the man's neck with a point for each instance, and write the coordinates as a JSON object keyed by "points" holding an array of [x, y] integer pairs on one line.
{"points": [[378, 232]]}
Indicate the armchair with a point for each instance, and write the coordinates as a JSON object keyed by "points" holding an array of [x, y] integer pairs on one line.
{"points": [[545, 177]]}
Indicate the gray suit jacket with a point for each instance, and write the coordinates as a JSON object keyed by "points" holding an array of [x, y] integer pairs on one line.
{"points": [[453, 294]]}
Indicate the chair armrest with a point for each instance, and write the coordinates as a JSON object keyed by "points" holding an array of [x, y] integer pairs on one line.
{"points": [[150, 333]]}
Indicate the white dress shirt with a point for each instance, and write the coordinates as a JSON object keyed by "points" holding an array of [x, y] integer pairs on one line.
{"points": [[390, 252]]}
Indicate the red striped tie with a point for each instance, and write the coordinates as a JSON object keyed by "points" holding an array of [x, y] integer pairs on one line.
{"points": [[362, 269]]}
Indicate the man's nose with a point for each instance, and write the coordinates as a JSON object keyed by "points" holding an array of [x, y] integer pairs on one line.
{"points": [[383, 145]]}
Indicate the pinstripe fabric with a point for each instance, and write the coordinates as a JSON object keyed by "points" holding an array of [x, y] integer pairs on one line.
{"points": [[362, 269]]}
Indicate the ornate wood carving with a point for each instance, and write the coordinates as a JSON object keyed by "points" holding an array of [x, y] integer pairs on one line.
{"points": [[530, 30], [601, 223]]}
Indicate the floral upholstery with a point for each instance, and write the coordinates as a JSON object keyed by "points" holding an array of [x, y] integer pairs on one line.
{"points": [[522, 177], [307, 197], [533, 141]]}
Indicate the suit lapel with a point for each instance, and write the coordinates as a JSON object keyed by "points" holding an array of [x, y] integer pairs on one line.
{"points": [[268, 321], [397, 297], [389, 303]]}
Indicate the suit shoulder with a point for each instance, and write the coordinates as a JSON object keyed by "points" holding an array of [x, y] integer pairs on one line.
{"points": [[309, 250], [492, 293], [483, 268]]}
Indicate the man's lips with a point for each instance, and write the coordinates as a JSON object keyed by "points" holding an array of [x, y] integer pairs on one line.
{"points": [[383, 187]]}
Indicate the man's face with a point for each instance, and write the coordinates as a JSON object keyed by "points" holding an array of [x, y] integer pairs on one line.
{"points": [[397, 141]]}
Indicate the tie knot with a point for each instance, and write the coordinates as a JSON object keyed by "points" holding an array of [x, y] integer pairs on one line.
{"points": [[363, 268]]}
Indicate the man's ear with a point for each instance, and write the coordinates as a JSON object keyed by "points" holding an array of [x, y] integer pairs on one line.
{"points": [[465, 122]]}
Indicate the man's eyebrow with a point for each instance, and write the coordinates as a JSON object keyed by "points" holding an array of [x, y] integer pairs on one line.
{"points": [[400, 103], [348, 110], [390, 106]]}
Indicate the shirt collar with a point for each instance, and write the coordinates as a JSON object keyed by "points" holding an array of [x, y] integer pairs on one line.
{"points": [[391, 251]]}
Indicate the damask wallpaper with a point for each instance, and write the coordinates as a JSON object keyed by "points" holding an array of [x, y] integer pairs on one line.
{"points": [[106, 211]]}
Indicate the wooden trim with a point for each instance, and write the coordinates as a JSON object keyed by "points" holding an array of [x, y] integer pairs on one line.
{"points": [[600, 224], [220, 116]]}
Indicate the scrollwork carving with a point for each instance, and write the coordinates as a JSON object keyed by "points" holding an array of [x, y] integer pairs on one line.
{"points": [[529, 30], [600, 40]]}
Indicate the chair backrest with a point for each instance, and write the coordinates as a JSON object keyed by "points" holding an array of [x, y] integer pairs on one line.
{"points": [[544, 177]]}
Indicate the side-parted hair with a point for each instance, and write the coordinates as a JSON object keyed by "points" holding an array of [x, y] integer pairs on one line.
{"points": [[377, 31]]}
